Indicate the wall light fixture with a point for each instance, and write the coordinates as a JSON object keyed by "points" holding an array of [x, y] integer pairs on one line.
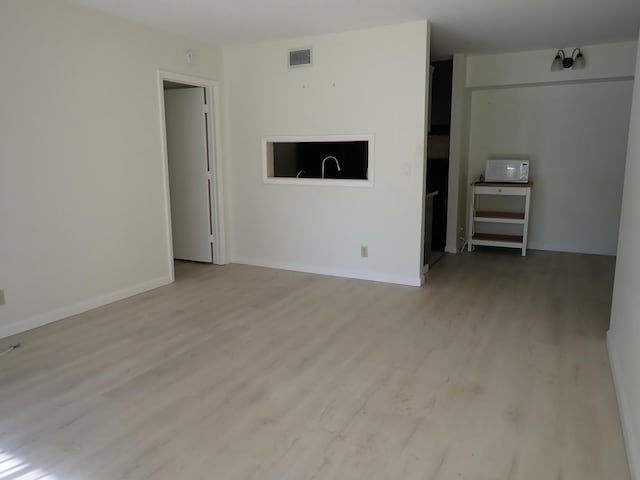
{"points": [[562, 62]]}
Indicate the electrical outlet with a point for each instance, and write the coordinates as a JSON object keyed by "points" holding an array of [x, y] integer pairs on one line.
{"points": [[1, 297], [364, 251]]}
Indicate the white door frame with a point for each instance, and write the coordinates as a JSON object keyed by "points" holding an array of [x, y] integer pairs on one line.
{"points": [[212, 89]]}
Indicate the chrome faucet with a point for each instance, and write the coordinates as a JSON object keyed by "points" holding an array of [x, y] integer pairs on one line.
{"points": [[300, 173], [332, 158]]}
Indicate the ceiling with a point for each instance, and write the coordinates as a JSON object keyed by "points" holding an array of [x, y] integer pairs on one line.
{"points": [[470, 26]]}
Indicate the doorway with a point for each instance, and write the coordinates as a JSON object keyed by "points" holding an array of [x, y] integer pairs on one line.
{"points": [[193, 197], [437, 171]]}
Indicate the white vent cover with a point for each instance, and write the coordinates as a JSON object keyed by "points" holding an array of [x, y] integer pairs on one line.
{"points": [[300, 57]]}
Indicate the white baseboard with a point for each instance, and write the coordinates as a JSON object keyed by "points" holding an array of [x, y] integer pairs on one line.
{"points": [[333, 272], [80, 307], [548, 247], [631, 442]]}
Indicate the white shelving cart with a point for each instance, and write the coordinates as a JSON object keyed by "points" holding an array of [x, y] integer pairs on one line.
{"points": [[477, 215]]}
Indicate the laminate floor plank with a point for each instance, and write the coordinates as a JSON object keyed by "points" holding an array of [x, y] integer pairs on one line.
{"points": [[496, 369]]}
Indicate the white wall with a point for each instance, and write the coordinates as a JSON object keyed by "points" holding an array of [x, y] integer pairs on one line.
{"points": [[603, 62], [81, 175], [362, 82], [624, 334], [571, 124], [575, 136]]}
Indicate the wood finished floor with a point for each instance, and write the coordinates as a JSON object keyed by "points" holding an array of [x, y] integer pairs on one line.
{"points": [[496, 369]]}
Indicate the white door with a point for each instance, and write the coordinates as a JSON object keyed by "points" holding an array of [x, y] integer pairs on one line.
{"points": [[189, 185]]}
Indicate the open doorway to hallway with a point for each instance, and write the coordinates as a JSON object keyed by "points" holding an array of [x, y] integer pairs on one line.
{"points": [[437, 171], [189, 162], [193, 183]]}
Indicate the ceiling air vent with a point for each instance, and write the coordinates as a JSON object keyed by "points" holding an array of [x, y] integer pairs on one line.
{"points": [[300, 58]]}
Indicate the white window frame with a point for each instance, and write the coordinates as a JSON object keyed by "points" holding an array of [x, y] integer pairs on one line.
{"points": [[267, 160]]}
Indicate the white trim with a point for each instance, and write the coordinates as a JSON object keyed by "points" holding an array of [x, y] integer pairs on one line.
{"points": [[351, 137], [329, 182], [165, 176], [450, 249], [220, 246], [550, 247], [81, 307], [631, 442], [333, 272], [213, 103]]}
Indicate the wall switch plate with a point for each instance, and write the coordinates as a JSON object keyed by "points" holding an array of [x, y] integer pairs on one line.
{"points": [[1, 297], [364, 251]]}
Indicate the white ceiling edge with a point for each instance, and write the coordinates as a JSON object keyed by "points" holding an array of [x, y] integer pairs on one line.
{"points": [[458, 26]]}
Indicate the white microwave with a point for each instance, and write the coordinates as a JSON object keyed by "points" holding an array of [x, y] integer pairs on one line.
{"points": [[508, 171]]}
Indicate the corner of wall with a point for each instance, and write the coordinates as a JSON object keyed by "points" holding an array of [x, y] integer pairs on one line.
{"points": [[631, 442], [624, 334], [80, 307]]}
